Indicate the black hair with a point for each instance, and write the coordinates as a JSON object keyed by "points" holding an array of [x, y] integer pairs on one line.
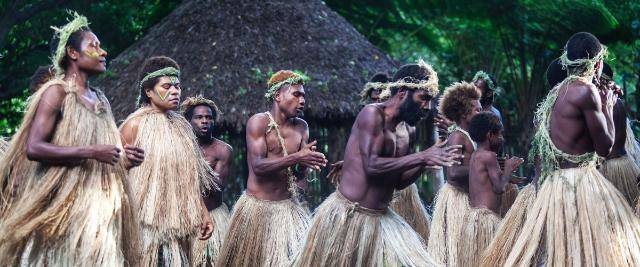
{"points": [[40, 77], [188, 113], [379, 77], [582, 45], [555, 74], [74, 41], [150, 65], [409, 72], [483, 123], [607, 70]]}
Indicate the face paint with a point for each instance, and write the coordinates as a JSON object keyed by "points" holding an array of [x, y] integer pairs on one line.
{"points": [[92, 54], [163, 97], [173, 80]]}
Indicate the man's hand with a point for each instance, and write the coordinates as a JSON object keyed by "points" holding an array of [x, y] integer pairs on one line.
{"points": [[511, 164], [135, 156], [443, 124], [442, 155], [310, 158], [608, 98], [335, 172], [206, 228], [109, 154]]}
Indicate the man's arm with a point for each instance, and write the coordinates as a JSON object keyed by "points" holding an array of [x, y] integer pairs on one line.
{"points": [[257, 151], [598, 117], [458, 172], [225, 155], [39, 147], [500, 179], [371, 142]]}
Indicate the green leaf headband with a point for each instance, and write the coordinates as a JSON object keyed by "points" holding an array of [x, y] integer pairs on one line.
{"points": [[582, 67], [63, 35], [485, 76], [168, 71], [430, 84], [296, 79]]}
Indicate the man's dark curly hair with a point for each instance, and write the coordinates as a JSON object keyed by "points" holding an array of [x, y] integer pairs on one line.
{"points": [[457, 100]]}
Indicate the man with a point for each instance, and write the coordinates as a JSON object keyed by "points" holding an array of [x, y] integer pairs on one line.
{"points": [[354, 226], [65, 203], [167, 186], [487, 184], [577, 218], [513, 222], [488, 87], [268, 222], [619, 168], [460, 102], [371, 91], [203, 113], [406, 202]]}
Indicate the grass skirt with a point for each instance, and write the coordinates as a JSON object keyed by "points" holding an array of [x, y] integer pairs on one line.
{"points": [[345, 234], [451, 206], [623, 173], [480, 226], [510, 227], [205, 252], [263, 233], [408, 205], [507, 199], [578, 218]]}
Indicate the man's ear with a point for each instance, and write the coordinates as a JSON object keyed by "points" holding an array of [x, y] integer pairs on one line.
{"points": [[72, 53], [277, 96]]}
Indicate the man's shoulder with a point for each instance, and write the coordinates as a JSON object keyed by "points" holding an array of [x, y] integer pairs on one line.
{"points": [[258, 120], [300, 123]]}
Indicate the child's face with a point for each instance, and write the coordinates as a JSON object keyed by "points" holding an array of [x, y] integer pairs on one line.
{"points": [[496, 140]]}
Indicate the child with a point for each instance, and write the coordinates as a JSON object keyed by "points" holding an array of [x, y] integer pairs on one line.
{"points": [[487, 183]]}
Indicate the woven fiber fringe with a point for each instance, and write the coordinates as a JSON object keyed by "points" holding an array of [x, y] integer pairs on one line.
{"points": [[631, 145], [168, 184], [578, 219], [508, 198], [480, 226], [344, 234], [263, 233], [408, 205], [510, 227], [451, 205], [623, 173], [4, 145], [72, 215], [205, 252]]}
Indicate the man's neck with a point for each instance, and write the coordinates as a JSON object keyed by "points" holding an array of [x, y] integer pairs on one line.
{"points": [[206, 140], [79, 78], [391, 113], [279, 117], [462, 124]]}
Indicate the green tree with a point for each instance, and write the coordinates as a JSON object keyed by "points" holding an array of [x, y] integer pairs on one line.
{"points": [[25, 33]]}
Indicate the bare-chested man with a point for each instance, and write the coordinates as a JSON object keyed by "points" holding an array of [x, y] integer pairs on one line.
{"points": [[578, 218], [65, 201], [354, 226], [460, 102], [203, 113], [619, 167], [487, 184], [488, 86], [268, 221]]}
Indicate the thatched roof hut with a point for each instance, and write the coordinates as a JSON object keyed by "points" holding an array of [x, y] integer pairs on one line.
{"points": [[227, 50]]}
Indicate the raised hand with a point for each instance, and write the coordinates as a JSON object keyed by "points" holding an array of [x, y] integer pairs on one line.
{"points": [[310, 158], [443, 124], [512, 164], [135, 156], [109, 154], [441, 154]]}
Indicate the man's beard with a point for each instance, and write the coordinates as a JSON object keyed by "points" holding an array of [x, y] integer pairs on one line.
{"points": [[410, 111]]}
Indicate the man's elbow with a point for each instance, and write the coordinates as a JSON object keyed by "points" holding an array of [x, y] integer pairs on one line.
{"points": [[603, 148], [33, 151]]}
